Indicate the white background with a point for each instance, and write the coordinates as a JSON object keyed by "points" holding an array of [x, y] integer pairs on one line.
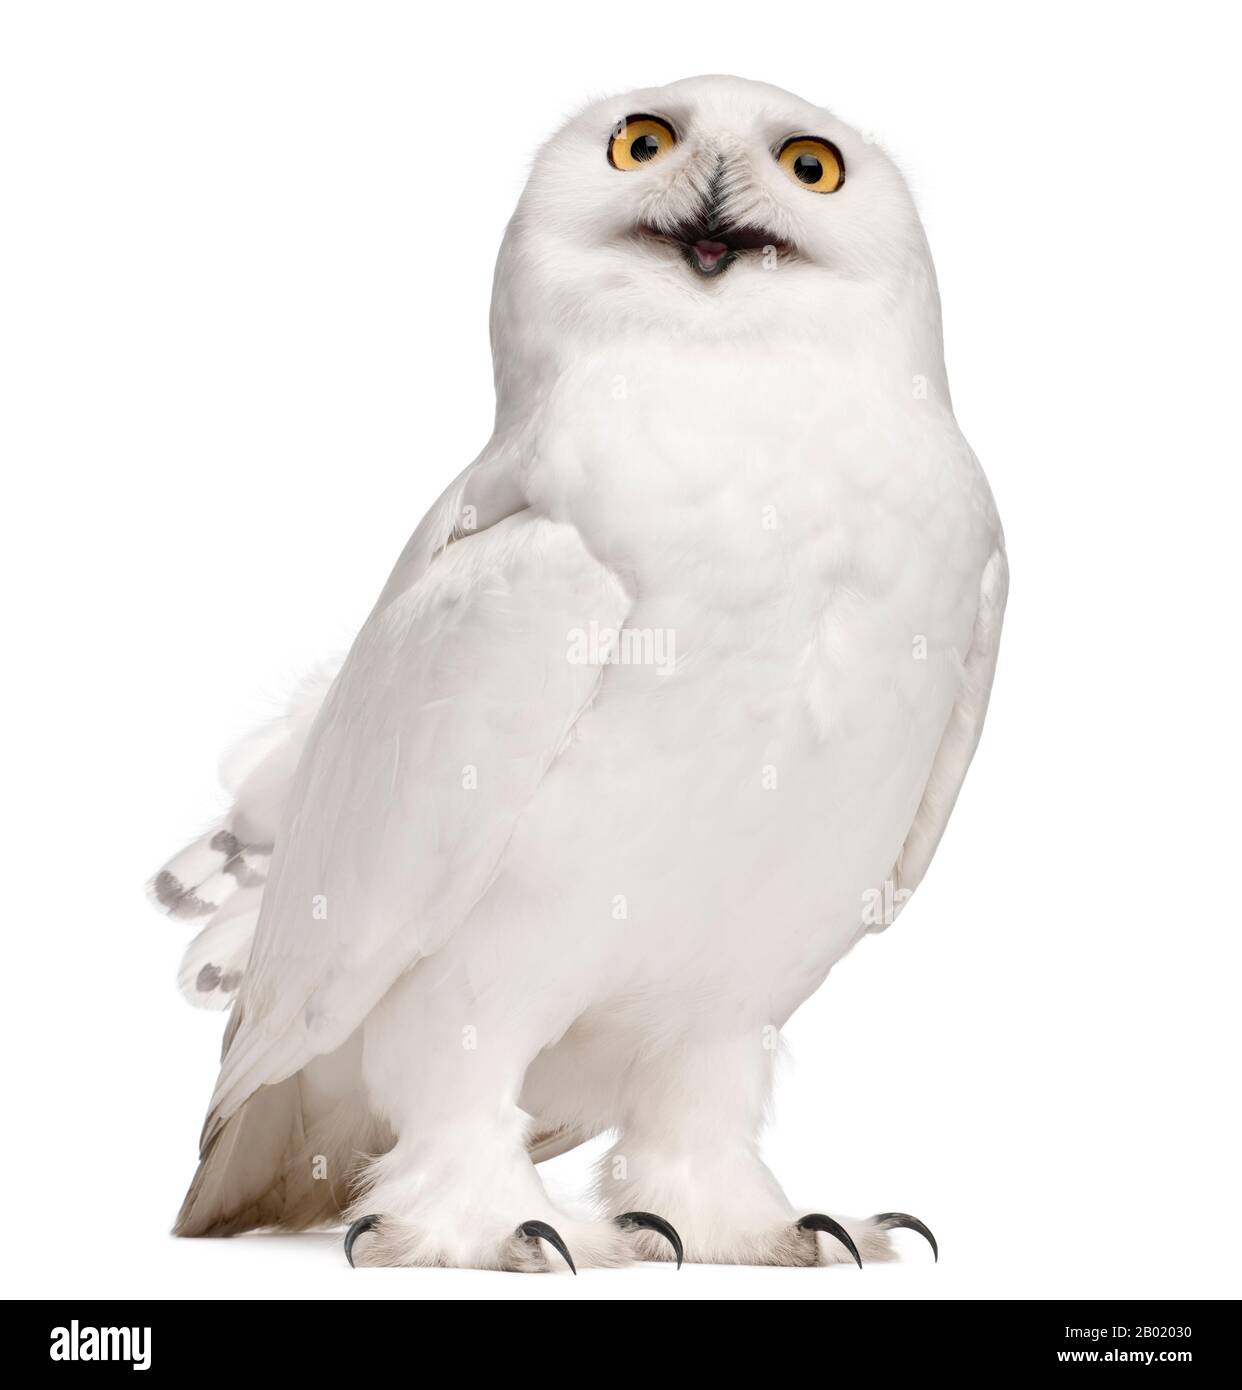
{"points": [[245, 262]]}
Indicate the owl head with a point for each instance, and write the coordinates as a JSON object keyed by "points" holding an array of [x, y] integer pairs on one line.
{"points": [[713, 208]]}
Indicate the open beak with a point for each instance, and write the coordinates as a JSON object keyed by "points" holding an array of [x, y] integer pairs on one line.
{"points": [[708, 255], [710, 246]]}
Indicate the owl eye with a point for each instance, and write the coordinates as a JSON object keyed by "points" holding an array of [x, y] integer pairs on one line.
{"points": [[639, 140], [814, 163]]}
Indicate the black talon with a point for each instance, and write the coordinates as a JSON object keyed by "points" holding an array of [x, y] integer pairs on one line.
{"points": [[360, 1227], [817, 1221], [888, 1219], [647, 1221], [540, 1230]]}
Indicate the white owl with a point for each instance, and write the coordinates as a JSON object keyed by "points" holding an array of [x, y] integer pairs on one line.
{"points": [[665, 705]]}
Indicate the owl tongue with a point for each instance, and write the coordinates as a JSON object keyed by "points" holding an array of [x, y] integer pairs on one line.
{"points": [[708, 253]]}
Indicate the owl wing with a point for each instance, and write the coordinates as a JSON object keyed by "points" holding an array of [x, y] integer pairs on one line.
{"points": [[451, 707], [218, 880], [961, 735]]}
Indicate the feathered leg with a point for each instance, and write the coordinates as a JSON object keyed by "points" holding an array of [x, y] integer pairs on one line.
{"points": [[458, 1188], [690, 1121]]}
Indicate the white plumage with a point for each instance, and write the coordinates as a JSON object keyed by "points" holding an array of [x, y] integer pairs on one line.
{"points": [[520, 895]]}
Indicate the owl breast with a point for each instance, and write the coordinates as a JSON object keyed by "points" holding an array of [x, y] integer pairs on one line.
{"points": [[769, 495], [803, 554]]}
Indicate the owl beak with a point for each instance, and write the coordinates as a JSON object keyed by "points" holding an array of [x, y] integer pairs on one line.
{"points": [[709, 245], [708, 255], [712, 247]]}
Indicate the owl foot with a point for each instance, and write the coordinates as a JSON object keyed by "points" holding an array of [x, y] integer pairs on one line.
{"points": [[814, 1239], [522, 1250]]}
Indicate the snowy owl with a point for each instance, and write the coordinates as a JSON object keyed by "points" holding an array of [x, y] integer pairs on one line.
{"points": [[664, 706]]}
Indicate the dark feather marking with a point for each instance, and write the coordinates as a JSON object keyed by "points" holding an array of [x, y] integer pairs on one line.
{"points": [[176, 899], [208, 979]]}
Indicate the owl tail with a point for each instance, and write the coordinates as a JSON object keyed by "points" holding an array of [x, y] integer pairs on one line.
{"points": [[218, 879], [267, 1168]]}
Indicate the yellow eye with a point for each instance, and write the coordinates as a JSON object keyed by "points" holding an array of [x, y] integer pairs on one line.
{"points": [[639, 140], [814, 163]]}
